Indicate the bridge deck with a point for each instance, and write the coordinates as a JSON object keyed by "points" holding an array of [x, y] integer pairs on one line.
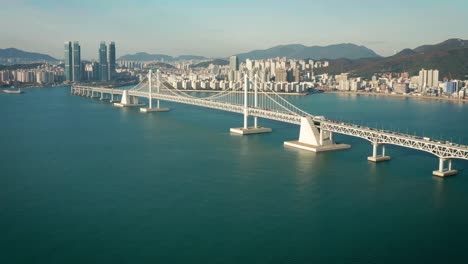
{"points": [[441, 149]]}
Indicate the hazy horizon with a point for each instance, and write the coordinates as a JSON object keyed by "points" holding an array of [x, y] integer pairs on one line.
{"points": [[219, 29]]}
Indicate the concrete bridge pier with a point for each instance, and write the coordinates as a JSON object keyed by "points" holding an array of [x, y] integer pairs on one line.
{"points": [[246, 130], [112, 96], [445, 172], [375, 157], [95, 94], [150, 108], [127, 100], [315, 140]]}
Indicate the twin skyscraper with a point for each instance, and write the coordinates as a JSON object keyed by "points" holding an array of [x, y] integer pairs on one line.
{"points": [[106, 62], [74, 68]]}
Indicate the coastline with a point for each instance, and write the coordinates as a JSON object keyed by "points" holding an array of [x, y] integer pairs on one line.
{"points": [[219, 91], [465, 100]]}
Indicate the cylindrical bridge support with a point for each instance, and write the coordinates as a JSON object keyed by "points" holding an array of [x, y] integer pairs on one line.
{"points": [[441, 164], [375, 157], [442, 171], [374, 149]]}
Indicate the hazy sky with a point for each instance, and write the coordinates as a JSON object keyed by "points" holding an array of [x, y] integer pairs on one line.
{"points": [[221, 28]]}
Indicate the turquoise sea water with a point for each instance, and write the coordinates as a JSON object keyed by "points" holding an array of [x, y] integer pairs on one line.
{"points": [[84, 182]]}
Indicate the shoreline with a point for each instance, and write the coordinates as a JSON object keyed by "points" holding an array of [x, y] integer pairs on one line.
{"points": [[465, 100], [219, 91], [187, 91]]}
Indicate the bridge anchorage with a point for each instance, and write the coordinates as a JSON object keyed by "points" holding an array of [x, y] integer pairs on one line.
{"points": [[313, 137], [253, 98]]}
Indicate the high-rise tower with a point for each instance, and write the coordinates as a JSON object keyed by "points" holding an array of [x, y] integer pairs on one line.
{"points": [[68, 61], [76, 61], [103, 63], [111, 62], [233, 63]]}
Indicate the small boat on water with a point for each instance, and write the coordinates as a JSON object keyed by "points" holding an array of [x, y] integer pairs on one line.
{"points": [[13, 91]]}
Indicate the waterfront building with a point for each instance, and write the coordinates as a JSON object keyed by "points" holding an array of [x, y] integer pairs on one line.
{"points": [[103, 66], [451, 88], [4, 76], [344, 85], [68, 61], [435, 78], [400, 87], [355, 84], [111, 62], [72, 61], [428, 79], [76, 61]]}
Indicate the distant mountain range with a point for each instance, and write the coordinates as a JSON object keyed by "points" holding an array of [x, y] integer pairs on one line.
{"points": [[143, 56], [15, 56], [293, 51], [450, 44], [449, 57], [298, 51]]}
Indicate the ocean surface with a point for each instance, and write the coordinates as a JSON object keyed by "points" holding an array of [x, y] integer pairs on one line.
{"points": [[84, 182]]}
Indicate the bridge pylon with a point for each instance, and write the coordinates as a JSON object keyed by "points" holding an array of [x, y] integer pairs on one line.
{"points": [[150, 95], [246, 130], [313, 138]]}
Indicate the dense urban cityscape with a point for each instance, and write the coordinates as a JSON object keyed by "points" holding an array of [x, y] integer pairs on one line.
{"points": [[286, 75], [233, 132]]}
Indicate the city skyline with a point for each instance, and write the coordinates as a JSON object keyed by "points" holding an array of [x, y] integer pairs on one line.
{"points": [[231, 28]]}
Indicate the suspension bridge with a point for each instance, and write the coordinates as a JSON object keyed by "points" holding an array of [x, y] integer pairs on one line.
{"points": [[250, 97]]}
